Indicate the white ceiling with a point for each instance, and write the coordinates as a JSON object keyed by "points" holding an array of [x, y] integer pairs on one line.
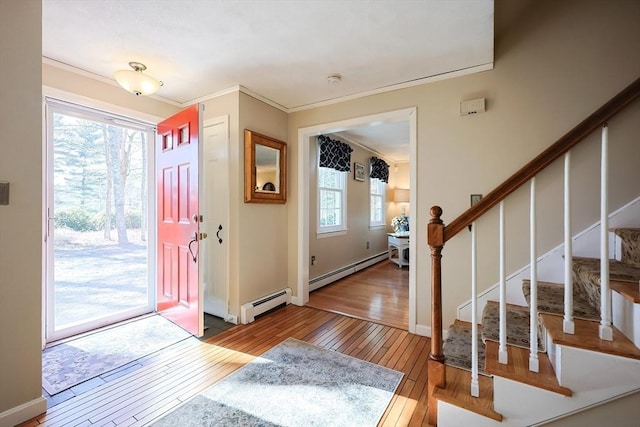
{"points": [[281, 50]]}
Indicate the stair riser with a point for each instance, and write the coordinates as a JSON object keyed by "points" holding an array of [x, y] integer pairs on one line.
{"points": [[454, 416], [595, 376], [629, 246], [626, 317]]}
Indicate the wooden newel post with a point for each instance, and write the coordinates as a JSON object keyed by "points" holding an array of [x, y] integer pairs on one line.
{"points": [[435, 240]]}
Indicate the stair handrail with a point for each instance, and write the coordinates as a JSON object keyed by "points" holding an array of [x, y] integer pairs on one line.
{"points": [[438, 234], [544, 159]]}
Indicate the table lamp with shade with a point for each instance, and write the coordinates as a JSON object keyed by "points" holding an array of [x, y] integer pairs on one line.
{"points": [[401, 222]]}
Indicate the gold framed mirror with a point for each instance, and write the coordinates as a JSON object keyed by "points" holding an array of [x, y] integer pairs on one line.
{"points": [[265, 169]]}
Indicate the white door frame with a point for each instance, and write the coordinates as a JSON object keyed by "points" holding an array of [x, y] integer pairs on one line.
{"points": [[80, 102], [304, 136], [212, 239]]}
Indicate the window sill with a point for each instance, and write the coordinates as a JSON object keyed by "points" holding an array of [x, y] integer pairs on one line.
{"points": [[377, 227], [330, 234]]}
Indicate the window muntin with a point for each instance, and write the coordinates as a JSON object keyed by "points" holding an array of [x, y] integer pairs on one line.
{"points": [[377, 202], [332, 200]]}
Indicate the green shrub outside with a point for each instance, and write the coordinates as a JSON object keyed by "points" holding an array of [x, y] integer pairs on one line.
{"points": [[79, 219], [76, 219]]}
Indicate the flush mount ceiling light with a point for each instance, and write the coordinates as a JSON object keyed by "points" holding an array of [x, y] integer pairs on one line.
{"points": [[135, 81]]}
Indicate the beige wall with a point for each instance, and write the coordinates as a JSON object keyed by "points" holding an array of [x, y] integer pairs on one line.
{"points": [[397, 179], [341, 250], [262, 235], [555, 64], [21, 220]]}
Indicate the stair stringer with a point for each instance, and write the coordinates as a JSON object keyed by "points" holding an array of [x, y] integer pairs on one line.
{"points": [[593, 378]]}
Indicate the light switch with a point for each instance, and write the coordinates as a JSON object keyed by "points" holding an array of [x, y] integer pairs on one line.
{"points": [[4, 193]]}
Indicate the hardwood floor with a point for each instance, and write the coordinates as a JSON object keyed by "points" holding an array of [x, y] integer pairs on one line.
{"points": [[191, 366], [379, 293]]}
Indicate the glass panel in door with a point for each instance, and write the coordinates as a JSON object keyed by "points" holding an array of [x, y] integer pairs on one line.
{"points": [[97, 221]]}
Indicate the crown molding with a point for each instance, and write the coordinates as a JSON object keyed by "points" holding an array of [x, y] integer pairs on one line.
{"points": [[391, 88], [253, 94]]}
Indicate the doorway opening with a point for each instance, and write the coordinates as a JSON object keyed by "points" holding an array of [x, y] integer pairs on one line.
{"points": [[99, 219], [307, 136]]}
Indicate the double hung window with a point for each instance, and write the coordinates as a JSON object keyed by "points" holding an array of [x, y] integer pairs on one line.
{"points": [[332, 200], [377, 202]]}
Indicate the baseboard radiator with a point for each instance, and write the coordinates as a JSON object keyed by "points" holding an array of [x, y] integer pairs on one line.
{"points": [[325, 279], [250, 310]]}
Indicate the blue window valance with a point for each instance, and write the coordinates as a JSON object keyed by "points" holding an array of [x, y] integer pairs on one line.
{"points": [[379, 169], [334, 154]]}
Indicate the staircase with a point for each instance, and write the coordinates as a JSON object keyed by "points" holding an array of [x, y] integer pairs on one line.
{"points": [[552, 380], [558, 350]]}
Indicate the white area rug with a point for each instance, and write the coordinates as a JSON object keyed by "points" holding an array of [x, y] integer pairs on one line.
{"points": [[294, 384]]}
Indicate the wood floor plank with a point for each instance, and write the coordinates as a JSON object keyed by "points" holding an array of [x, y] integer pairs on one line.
{"points": [[169, 378], [417, 413], [379, 293], [394, 410], [182, 372]]}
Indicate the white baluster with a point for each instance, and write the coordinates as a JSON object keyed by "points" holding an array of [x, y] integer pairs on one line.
{"points": [[502, 351], [533, 318], [475, 387], [606, 331], [568, 324]]}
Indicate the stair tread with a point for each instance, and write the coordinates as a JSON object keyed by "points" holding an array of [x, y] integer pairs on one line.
{"points": [[458, 383], [518, 322], [586, 273], [517, 368], [629, 290], [457, 346], [586, 337], [617, 270], [551, 300]]}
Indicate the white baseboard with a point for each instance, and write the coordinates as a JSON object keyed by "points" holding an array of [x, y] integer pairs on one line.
{"points": [[230, 318], [325, 279], [423, 330], [24, 412]]}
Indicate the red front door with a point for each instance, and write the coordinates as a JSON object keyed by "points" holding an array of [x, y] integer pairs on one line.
{"points": [[178, 293]]}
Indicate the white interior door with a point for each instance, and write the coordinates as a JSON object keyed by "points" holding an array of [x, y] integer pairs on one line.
{"points": [[214, 197]]}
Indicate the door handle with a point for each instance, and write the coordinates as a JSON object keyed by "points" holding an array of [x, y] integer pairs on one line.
{"points": [[218, 234], [49, 219], [193, 239]]}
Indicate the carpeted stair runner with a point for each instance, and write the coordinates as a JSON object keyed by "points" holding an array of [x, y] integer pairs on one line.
{"points": [[630, 238], [586, 303], [518, 319], [551, 300], [586, 277], [457, 347]]}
